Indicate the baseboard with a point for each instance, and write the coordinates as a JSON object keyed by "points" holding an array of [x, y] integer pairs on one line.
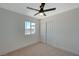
{"points": [[12, 50], [61, 48]]}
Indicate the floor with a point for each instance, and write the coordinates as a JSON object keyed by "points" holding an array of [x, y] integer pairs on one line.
{"points": [[40, 49]]}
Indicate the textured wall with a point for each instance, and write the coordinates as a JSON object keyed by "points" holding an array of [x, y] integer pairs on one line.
{"points": [[64, 30], [12, 34]]}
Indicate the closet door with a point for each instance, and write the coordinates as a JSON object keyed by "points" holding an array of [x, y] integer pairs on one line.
{"points": [[50, 33]]}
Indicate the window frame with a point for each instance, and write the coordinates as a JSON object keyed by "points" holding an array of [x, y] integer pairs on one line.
{"points": [[31, 30]]}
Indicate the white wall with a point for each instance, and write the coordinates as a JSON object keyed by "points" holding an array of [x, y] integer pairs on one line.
{"points": [[65, 33], [12, 31]]}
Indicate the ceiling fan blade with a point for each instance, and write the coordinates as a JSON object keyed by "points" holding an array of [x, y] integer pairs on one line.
{"points": [[49, 9], [44, 14], [36, 14], [32, 8]]}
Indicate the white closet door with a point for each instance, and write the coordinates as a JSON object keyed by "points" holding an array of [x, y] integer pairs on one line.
{"points": [[50, 33]]}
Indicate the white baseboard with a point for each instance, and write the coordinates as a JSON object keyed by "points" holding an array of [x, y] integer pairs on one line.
{"points": [[22, 46], [61, 48]]}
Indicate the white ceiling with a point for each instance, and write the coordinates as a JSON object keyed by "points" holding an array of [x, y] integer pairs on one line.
{"points": [[21, 8]]}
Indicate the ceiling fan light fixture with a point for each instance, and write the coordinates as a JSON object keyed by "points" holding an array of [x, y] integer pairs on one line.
{"points": [[41, 14], [41, 11]]}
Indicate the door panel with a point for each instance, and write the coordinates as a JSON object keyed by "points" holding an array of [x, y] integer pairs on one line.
{"points": [[49, 33]]}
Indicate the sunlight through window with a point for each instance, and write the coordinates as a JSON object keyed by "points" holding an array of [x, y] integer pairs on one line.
{"points": [[29, 28]]}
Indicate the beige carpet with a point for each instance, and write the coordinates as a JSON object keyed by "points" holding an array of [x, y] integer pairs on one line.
{"points": [[40, 49]]}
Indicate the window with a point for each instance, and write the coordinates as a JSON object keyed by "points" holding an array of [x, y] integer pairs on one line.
{"points": [[29, 28]]}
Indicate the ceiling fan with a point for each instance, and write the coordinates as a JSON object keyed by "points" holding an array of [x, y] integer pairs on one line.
{"points": [[41, 11]]}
